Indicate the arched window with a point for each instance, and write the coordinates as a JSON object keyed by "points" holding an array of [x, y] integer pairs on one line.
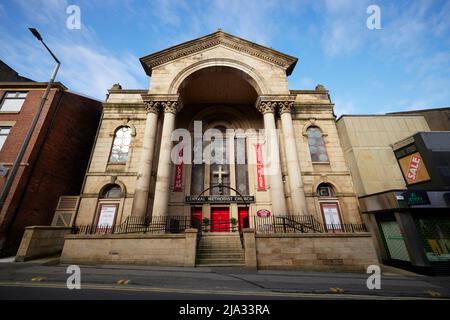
{"points": [[325, 190], [121, 145], [112, 191], [316, 145], [219, 168]]}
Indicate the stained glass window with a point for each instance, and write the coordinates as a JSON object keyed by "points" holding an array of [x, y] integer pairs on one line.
{"points": [[316, 145], [241, 165], [121, 145]]}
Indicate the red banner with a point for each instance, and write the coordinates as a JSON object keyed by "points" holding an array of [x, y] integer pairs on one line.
{"points": [[177, 186], [260, 168]]}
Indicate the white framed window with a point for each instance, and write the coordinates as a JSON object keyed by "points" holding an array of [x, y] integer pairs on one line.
{"points": [[13, 101], [4, 132]]}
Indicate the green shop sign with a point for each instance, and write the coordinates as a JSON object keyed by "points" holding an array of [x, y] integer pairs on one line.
{"points": [[416, 198]]}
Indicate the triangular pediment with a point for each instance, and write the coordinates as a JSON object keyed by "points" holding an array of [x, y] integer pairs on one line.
{"points": [[215, 39]]}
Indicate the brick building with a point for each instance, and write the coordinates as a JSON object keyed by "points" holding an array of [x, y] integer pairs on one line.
{"points": [[55, 160]]}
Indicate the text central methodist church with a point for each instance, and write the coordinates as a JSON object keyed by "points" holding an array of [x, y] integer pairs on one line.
{"points": [[211, 98]]}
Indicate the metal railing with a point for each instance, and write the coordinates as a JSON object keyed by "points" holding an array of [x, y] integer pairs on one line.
{"points": [[301, 224], [138, 225]]}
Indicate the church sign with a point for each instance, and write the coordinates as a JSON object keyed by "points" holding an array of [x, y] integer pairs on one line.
{"points": [[219, 199]]}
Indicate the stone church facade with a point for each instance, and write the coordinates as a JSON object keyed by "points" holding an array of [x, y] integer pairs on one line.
{"points": [[228, 85]]}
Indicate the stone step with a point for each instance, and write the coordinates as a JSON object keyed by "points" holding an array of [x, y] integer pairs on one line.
{"points": [[206, 265], [221, 240], [220, 250], [219, 261], [224, 243], [220, 246], [236, 255]]}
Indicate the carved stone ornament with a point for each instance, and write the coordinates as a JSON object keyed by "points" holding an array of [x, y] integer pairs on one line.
{"points": [[152, 107], [170, 106], [286, 106], [267, 106]]}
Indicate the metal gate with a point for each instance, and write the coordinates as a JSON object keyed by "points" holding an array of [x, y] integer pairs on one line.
{"points": [[394, 240]]}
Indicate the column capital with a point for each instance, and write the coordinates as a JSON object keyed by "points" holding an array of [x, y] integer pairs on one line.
{"points": [[168, 103], [152, 106], [266, 107], [170, 106], [270, 103], [285, 106]]}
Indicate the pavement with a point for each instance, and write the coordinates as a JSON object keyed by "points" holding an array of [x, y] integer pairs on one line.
{"points": [[46, 279]]}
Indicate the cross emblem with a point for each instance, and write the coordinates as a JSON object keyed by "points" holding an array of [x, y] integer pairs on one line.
{"points": [[219, 173]]}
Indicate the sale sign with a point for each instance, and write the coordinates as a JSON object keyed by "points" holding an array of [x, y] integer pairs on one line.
{"points": [[260, 168], [177, 186], [414, 169]]}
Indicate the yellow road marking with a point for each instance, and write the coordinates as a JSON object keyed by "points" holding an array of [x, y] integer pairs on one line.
{"points": [[434, 294], [37, 279], [197, 291], [123, 281]]}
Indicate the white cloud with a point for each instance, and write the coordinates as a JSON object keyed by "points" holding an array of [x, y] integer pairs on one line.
{"points": [[86, 66], [344, 26]]}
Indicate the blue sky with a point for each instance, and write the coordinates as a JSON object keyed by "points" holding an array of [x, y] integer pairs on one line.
{"points": [[403, 66]]}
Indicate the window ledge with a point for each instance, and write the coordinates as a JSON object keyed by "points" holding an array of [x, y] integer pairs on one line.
{"points": [[9, 112], [327, 162]]}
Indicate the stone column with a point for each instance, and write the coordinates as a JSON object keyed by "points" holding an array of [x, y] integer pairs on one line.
{"points": [[140, 200], [267, 108], [162, 191], [298, 198]]}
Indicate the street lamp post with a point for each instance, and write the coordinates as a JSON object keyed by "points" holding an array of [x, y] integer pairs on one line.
{"points": [[12, 174]]}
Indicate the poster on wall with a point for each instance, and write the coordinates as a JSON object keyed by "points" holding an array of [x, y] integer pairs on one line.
{"points": [[107, 215], [331, 215], [414, 169], [260, 168]]}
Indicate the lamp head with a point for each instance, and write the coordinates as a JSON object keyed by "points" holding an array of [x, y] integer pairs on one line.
{"points": [[36, 33]]}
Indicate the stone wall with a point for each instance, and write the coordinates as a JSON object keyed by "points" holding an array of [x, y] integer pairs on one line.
{"points": [[41, 241], [321, 252], [367, 143], [143, 249]]}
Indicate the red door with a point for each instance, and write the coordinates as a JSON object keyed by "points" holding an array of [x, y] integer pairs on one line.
{"points": [[220, 220], [243, 218], [196, 217]]}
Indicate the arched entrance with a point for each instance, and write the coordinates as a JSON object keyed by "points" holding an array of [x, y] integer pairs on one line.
{"points": [[221, 100]]}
